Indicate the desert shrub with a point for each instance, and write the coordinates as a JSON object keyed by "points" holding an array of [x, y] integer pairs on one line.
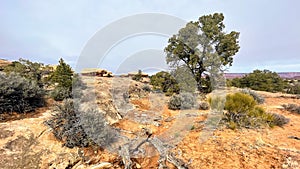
{"points": [[97, 128], [67, 84], [203, 105], [18, 94], [30, 70], [233, 82], [292, 108], [146, 88], [258, 98], [165, 82], [239, 103], [293, 88], [279, 120], [62, 76], [136, 91], [216, 102], [60, 93], [77, 86], [182, 101], [174, 103], [261, 80], [66, 125], [138, 76], [242, 111], [62, 79], [78, 128]]}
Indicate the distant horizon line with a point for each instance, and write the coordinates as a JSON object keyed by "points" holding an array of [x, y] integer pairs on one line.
{"points": [[158, 71]]}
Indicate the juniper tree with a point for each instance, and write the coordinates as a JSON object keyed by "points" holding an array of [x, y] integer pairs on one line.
{"points": [[201, 46]]}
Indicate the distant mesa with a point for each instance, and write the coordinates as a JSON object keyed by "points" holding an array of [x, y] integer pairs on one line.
{"points": [[96, 72], [104, 73], [234, 75], [284, 75], [290, 75]]}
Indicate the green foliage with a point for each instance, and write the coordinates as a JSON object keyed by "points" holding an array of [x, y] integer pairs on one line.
{"points": [[63, 79], [261, 80], [182, 101], [203, 46], [239, 103], [60, 93], [18, 94], [258, 98], [233, 82], [165, 82], [30, 70], [242, 111], [62, 75], [292, 108], [138, 76]]}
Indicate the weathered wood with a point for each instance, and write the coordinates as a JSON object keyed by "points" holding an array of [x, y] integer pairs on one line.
{"points": [[163, 149]]}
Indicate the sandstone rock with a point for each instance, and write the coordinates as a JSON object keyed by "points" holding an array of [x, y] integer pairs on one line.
{"points": [[103, 165], [138, 165]]}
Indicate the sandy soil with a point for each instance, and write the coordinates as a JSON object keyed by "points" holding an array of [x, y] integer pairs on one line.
{"points": [[28, 143]]}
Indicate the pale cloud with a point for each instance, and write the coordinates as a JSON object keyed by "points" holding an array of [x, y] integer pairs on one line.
{"points": [[48, 30]]}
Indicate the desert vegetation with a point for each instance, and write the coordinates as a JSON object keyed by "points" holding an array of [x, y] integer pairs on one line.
{"points": [[263, 80], [243, 111], [182, 101], [18, 94], [182, 118], [293, 88], [292, 108], [165, 82]]}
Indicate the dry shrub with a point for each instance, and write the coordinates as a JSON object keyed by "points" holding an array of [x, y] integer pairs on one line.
{"points": [[18, 94], [182, 101], [292, 108], [242, 111], [256, 96], [80, 129]]}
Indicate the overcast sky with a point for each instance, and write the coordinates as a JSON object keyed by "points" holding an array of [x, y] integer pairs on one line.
{"points": [[44, 31]]}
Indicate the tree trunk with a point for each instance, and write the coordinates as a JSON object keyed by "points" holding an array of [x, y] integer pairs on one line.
{"points": [[199, 83]]}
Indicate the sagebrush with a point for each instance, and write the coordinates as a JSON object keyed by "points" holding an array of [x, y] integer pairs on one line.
{"points": [[182, 101], [292, 108], [18, 94], [256, 96], [243, 111], [78, 128]]}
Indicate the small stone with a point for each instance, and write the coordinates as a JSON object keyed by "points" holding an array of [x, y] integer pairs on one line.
{"points": [[138, 165], [157, 124], [157, 118], [169, 119], [103, 165], [285, 166]]}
